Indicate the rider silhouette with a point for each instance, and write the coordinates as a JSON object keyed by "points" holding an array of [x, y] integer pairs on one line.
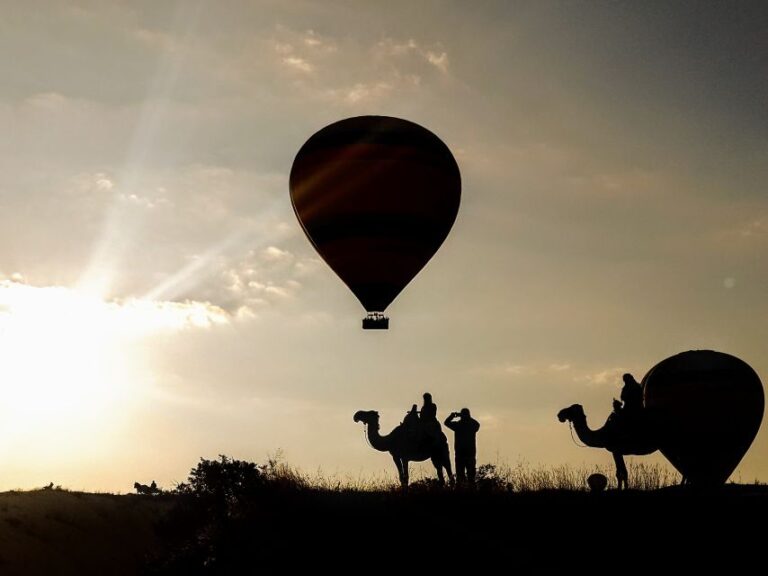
{"points": [[411, 422], [428, 418], [627, 412]]}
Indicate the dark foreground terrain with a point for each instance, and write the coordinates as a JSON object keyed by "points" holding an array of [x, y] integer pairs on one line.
{"points": [[285, 527]]}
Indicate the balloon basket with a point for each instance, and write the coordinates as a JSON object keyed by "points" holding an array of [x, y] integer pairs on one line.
{"points": [[375, 321]]}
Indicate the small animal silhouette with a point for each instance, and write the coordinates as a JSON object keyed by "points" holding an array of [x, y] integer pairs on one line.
{"points": [[150, 490]]}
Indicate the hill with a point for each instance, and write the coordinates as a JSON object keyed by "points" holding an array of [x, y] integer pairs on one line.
{"points": [[63, 532], [59, 532]]}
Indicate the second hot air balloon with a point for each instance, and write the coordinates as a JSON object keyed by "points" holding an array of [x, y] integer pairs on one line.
{"points": [[707, 407], [377, 197]]}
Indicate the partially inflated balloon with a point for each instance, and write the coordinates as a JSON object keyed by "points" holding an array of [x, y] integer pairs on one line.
{"points": [[707, 407], [376, 196]]}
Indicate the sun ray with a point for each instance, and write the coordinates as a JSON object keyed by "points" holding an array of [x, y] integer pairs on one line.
{"points": [[120, 228]]}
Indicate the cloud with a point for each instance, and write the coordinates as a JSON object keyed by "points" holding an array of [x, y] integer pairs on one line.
{"points": [[559, 367], [513, 369], [402, 50], [298, 63], [274, 254], [319, 43], [104, 183], [355, 72], [604, 377], [48, 101], [360, 92], [755, 229], [262, 279], [39, 307], [439, 61]]}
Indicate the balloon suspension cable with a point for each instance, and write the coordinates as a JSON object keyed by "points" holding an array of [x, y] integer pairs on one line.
{"points": [[570, 427]]}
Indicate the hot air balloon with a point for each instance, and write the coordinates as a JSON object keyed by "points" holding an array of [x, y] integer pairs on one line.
{"points": [[707, 408], [376, 196]]}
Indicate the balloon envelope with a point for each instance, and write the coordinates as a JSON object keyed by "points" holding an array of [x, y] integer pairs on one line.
{"points": [[376, 196], [707, 407]]}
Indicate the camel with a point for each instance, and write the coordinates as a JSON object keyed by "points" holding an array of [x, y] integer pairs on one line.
{"points": [[150, 490], [404, 448], [620, 443]]}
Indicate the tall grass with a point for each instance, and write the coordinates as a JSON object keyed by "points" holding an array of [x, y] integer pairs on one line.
{"points": [[501, 477]]}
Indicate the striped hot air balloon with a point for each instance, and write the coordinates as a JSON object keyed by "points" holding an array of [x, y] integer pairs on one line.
{"points": [[376, 196]]}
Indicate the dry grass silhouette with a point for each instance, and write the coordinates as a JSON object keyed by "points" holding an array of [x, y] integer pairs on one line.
{"points": [[231, 515], [502, 477]]}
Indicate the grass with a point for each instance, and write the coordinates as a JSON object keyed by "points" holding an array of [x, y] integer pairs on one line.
{"points": [[236, 517], [520, 477]]}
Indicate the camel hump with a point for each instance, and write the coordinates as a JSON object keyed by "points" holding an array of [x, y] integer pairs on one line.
{"points": [[422, 434]]}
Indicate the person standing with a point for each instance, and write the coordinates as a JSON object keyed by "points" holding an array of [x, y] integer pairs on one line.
{"points": [[464, 443]]}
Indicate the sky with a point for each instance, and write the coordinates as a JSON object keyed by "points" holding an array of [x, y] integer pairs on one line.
{"points": [[159, 302]]}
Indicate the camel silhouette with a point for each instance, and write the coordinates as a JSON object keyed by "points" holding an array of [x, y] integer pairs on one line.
{"points": [[406, 447], [630, 441]]}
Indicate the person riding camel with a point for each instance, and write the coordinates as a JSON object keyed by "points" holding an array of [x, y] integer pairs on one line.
{"points": [[627, 413], [428, 419], [411, 422]]}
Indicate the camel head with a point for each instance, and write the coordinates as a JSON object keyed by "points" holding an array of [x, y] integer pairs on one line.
{"points": [[575, 412], [367, 417]]}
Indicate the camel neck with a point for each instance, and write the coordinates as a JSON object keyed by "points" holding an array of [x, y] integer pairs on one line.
{"points": [[378, 441]]}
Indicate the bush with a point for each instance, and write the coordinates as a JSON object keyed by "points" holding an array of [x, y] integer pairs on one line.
{"points": [[226, 481]]}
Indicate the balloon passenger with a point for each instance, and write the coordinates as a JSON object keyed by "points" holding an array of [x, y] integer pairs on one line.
{"points": [[464, 444]]}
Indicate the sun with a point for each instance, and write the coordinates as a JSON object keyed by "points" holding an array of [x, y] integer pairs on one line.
{"points": [[74, 367], [65, 365]]}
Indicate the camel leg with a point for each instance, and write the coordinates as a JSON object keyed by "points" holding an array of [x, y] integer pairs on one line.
{"points": [[439, 467], [447, 461], [399, 464], [622, 476]]}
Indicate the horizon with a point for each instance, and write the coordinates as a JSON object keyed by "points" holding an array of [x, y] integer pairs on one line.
{"points": [[159, 302]]}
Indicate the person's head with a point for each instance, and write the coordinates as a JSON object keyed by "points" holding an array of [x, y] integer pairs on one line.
{"points": [[427, 398], [629, 379], [464, 413]]}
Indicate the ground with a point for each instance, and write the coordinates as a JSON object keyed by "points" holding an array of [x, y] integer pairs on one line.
{"points": [[59, 532]]}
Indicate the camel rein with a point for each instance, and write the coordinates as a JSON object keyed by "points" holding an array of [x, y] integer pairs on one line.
{"points": [[365, 434], [570, 427]]}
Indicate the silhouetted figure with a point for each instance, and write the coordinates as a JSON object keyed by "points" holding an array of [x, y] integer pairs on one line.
{"points": [[404, 448], [464, 443], [412, 417], [428, 408], [631, 394], [412, 424], [428, 418], [627, 415], [150, 490]]}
